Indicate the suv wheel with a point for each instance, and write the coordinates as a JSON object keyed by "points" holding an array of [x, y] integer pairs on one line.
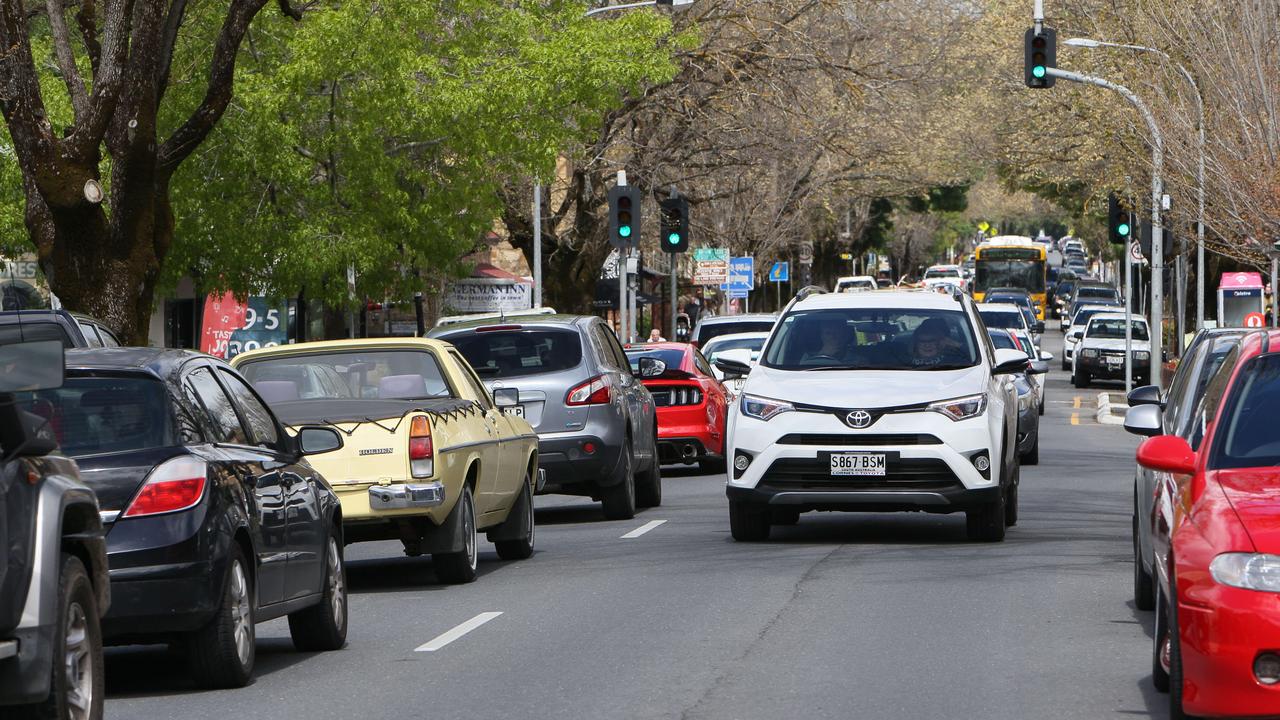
{"points": [[619, 500], [748, 522], [1011, 497], [649, 484], [76, 682], [323, 626], [222, 652], [986, 523], [1080, 379]]}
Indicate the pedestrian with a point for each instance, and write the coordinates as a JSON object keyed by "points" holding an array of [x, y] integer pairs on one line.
{"points": [[655, 335]]}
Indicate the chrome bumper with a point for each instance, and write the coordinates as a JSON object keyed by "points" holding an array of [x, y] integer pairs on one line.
{"points": [[400, 497]]}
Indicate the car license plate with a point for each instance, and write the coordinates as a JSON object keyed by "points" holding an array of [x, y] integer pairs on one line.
{"points": [[517, 410], [857, 464], [1115, 361]]}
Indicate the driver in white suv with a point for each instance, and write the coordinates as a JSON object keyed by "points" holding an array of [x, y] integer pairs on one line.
{"points": [[875, 402]]}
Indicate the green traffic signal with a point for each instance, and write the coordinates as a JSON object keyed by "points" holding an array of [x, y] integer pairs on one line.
{"points": [[1123, 229], [674, 238], [624, 231], [1038, 71]]}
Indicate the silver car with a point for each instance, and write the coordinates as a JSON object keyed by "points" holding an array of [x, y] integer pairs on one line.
{"points": [[1172, 413], [597, 429]]}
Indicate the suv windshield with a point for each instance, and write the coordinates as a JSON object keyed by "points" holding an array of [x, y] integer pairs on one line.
{"points": [[94, 415], [521, 352], [1250, 436], [873, 339], [373, 374], [1110, 329]]}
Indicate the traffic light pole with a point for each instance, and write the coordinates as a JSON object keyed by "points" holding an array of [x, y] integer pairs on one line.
{"points": [[1157, 232]]}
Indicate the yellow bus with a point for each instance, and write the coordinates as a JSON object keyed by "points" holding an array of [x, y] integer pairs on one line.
{"points": [[1011, 261]]}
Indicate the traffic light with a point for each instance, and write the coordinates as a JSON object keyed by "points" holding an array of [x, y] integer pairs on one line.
{"points": [[1041, 54], [1119, 221], [674, 212], [624, 216]]}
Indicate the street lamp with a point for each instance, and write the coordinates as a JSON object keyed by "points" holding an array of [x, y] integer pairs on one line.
{"points": [[1092, 44], [537, 185]]}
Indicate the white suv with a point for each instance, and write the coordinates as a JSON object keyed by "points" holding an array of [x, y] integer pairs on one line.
{"points": [[875, 402]]}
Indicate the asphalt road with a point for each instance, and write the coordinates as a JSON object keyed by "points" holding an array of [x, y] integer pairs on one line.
{"points": [[842, 616]]}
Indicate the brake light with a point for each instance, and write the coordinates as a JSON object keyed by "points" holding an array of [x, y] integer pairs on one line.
{"points": [[421, 452], [596, 391], [498, 328], [173, 485]]}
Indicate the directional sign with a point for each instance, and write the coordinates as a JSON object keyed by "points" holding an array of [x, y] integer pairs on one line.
{"points": [[711, 254], [780, 272], [741, 274], [737, 294]]}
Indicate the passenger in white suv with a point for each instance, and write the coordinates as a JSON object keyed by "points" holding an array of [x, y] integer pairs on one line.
{"points": [[875, 402]]}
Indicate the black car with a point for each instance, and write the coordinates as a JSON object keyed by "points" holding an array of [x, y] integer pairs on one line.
{"points": [[73, 330], [214, 521]]}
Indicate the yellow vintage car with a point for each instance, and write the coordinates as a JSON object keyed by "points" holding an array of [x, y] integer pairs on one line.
{"points": [[429, 457]]}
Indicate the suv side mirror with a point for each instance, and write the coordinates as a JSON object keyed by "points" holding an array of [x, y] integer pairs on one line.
{"points": [[1010, 362], [506, 397], [314, 440], [1077, 335], [734, 363], [1145, 395], [1144, 420], [1039, 328]]}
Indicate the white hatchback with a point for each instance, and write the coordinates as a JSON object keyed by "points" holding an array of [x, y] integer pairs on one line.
{"points": [[875, 402]]}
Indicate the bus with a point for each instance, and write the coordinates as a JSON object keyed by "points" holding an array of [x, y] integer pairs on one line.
{"points": [[1011, 261]]}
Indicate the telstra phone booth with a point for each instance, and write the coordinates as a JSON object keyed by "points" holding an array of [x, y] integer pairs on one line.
{"points": [[1239, 294]]}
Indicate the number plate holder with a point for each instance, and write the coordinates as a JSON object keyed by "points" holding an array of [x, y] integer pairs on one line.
{"points": [[859, 463]]}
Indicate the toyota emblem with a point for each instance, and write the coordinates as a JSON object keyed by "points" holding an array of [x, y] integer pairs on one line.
{"points": [[858, 419]]}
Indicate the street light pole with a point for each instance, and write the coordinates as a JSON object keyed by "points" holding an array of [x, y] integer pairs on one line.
{"points": [[1157, 232], [1200, 131]]}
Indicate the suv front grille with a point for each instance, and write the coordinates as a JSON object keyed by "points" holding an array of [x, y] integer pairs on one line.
{"points": [[902, 473], [859, 440]]}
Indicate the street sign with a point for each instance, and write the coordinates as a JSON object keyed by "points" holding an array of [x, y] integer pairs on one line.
{"points": [[737, 294], [741, 274], [709, 254], [1255, 320], [1135, 252], [805, 253], [780, 272]]}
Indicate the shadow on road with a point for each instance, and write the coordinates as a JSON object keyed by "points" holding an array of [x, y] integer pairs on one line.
{"points": [[160, 670], [395, 574]]}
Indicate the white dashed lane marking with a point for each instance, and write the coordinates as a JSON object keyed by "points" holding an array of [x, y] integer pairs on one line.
{"points": [[642, 529], [444, 639]]}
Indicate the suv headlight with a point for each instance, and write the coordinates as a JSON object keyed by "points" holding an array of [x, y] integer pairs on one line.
{"points": [[763, 408], [1088, 352], [961, 408], [1141, 355], [1249, 571]]}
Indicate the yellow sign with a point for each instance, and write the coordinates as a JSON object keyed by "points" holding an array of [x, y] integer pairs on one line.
{"points": [[983, 226], [846, 256]]}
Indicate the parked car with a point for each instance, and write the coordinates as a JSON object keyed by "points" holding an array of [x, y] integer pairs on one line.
{"points": [[214, 519], [596, 422], [1100, 350], [1029, 407], [945, 275], [1079, 319], [692, 405], [73, 330], [53, 571], [1152, 412], [856, 283], [875, 401], [709, 328], [1215, 543], [429, 457]]}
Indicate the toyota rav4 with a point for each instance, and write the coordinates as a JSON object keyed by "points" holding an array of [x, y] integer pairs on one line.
{"points": [[889, 401]]}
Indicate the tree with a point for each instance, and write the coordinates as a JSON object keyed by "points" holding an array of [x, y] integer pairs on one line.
{"points": [[97, 163]]}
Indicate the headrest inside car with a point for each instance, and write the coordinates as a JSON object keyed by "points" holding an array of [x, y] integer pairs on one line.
{"points": [[402, 387], [274, 391]]}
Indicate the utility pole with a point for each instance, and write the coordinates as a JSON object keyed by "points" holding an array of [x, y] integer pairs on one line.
{"points": [[537, 244], [1157, 192]]}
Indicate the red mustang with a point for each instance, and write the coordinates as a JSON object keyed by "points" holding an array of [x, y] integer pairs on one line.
{"points": [[1216, 542], [692, 405]]}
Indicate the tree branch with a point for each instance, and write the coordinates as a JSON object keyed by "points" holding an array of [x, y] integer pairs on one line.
{"points": [[107, 82], [217, 96], [67, 59], [89, 32], [288, 9], [168, 39], [20, 97]]}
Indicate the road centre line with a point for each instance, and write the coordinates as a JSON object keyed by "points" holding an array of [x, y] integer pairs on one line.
{"points": [[642, 529], [444, 639]]}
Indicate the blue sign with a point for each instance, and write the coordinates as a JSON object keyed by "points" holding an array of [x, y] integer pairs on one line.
{"points": [[737, 294], [780, 272], [741, 274]]}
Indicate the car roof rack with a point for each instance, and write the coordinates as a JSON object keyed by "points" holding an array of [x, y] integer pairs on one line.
{"points": [[809, 290]]}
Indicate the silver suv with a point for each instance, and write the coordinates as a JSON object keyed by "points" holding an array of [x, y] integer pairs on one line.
{"points": [[597, 430]]}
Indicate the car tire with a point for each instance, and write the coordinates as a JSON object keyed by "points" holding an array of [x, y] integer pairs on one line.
{"points": [[223, 651], [1041, 408], [458, 568], [1143, 584], [986, 523], [1011, 498], [77, 677], [1032, 456], [520, 548], [649, 484], [1065, 365], [1080, 379], [1159, 674], [748, 522], [619, 499], [1176, 712], [323, 626]]}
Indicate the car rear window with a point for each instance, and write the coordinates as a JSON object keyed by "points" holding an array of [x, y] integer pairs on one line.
{"points": [[11, 333], [1001, 319], [1096, 292], [363, 374], [1250, 436], [714, 330], [518, 353], [95, 415]]}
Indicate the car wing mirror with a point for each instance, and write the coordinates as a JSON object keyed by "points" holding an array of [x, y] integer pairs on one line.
{"points": [[1046, 356], [506, 397], [1039, 328], [1077, 335], [1167, 453], [1010, 362], [1144, 420], [1145, 395], [1037, 367], [316, 439]]}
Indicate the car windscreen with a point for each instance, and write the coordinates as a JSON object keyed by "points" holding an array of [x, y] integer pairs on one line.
{"points": [[713, 349], [519, 352], [949, 273], [873, 339], [96, 415], [1003, 341], [1249, 435], [1001, 319], [1108, 329], [357, 374], [669, 357], [1082, 316], [714, 330]]}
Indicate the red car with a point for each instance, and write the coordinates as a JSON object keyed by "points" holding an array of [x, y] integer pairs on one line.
{"points": [[1216, 543], [692, 405]]}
